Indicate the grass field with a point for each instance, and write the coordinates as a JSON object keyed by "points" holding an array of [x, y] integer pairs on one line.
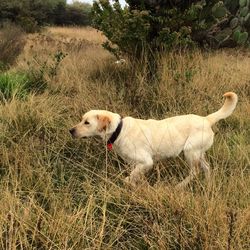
{"points": [[60, 193]]}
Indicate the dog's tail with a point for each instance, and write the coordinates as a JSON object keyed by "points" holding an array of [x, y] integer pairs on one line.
{"points": [[226, 110]]}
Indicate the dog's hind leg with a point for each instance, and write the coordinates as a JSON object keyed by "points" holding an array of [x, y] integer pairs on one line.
{"points": [[194, 161], [206, 167]]}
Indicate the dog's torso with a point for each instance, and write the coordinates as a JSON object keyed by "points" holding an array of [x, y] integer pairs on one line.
{"points": [[159, 139]]}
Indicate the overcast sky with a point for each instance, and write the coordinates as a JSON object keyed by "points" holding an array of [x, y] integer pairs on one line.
{"points": [[91, 1]]}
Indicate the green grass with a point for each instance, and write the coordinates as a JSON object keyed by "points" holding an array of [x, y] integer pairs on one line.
{"points": [[20, 84], [13, 85]]}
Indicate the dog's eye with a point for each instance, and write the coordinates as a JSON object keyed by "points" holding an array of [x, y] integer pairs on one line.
{"points": [[86, 122]]}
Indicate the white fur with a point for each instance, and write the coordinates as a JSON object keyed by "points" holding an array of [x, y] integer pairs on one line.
{"points": [[141, 142]]}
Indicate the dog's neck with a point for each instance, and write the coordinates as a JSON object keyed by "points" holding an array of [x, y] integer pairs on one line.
{"points": [[115, 134], [107, 134]]}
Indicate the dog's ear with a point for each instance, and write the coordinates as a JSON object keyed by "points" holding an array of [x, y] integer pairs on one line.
{"points": [[103, 122]]}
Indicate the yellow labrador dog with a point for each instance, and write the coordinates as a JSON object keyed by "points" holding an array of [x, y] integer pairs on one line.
{"points": [[141, 142]]}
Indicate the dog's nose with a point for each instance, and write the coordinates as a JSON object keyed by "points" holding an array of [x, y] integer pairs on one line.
{"points": [[72, 131]]}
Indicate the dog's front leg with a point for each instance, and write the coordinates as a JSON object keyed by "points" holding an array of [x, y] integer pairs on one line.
{"points": [[138, 172]]}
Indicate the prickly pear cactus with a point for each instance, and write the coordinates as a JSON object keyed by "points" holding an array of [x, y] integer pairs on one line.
{"points": [[241, 23], [233, 25]]}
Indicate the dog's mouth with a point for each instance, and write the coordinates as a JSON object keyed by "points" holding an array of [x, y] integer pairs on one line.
{"points": [[75, 136]]}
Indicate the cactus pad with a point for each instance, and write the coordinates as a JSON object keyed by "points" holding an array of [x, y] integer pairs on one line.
{"points": [[247, 20], [242, 3], [234, 22], [219, 12], [236, 35], [242, 38], [244, 11]]}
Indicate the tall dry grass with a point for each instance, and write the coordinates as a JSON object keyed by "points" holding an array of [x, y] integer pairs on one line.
{"points": [[87, 33], [60, 193], [12, 42]]}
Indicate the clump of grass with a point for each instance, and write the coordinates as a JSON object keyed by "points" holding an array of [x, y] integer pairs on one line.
{"points": [[13, 85]]}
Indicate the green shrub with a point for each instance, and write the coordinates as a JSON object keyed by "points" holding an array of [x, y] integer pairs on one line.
{"points": [[160, 25], [32, 15], [77, 14], [29, 24]]}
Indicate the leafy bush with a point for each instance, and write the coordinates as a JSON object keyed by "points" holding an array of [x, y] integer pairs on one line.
{"points": [[77, 14], [29, 24], [31, 15], [157, 25], [12, 42]]}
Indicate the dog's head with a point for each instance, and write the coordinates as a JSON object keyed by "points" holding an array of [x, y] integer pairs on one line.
{"points": [[96, 122]]}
